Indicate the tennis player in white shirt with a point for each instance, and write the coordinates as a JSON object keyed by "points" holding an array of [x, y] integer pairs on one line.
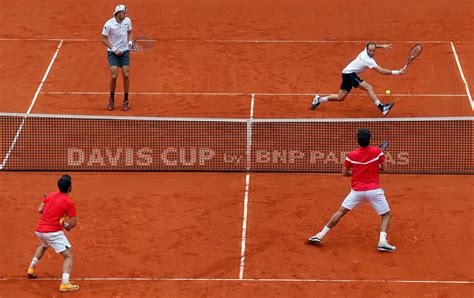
{"points": [[116, 36], [350, 78]]}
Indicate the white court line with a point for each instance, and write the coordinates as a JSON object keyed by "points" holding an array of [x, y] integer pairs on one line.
{"points": [[462, 75], [233, 40], [244, 227], [263, 280], [252, 105], [33, 101], [242, 94]]}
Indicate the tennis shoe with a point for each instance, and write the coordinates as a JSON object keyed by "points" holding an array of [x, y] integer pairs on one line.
{"points": [[111, 105], [31, 272], [125, 105], [315, 102], [68, 288], [384, 246], [386, 108], [316, 238]]}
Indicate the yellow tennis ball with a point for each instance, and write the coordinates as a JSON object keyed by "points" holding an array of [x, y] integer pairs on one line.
{"points": [[387, 92]]}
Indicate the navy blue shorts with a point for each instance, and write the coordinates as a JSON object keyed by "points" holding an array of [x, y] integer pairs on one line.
{"points": [[122, 60], [350, 80]]}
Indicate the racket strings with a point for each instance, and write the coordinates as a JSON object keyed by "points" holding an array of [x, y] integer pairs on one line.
{"points": [[415, 51], [143, 43]]}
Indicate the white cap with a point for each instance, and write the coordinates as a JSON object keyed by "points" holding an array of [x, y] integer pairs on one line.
{"points": [[120, 8]]}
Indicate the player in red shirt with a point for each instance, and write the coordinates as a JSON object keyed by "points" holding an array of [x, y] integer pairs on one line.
{"points": [[49, 230], [365, 163]]}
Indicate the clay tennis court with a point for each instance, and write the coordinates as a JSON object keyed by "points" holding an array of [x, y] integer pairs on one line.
{"points": [[239, 233]]}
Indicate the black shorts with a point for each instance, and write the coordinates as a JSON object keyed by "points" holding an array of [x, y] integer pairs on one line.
{"points": [[350, 80], [122, 60]]}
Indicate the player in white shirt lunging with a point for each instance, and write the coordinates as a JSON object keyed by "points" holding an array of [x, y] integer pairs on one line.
{"points": [[116, 36], [350, 78]]}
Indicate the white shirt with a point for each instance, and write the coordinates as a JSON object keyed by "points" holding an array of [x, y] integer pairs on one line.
{"points": [[117, 33], [360, 63]]}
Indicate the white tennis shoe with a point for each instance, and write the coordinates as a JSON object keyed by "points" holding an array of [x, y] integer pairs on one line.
{"points": [[316, 238], [315, 102], [386, 108], [384, 246]]}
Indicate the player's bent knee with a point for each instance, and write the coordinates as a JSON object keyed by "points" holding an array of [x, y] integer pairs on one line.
{"points": [[67, 253]]}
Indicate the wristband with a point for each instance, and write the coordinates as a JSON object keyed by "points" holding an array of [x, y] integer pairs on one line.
{"points": [[395, 72], [113, 49]]}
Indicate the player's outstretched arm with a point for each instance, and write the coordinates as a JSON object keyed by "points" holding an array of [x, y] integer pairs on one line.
{"points": [[388, 71], [384, 46]]}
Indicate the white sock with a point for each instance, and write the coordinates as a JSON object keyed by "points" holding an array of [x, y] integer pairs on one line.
{"points": [[324, 231], [65, 279], [323, 99], [34, 262], [377, 102], [383, 237]]}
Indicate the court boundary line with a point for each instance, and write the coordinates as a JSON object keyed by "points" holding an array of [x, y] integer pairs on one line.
{"points": [[247, 187], [244, 227], [245, 94], [240, 40], [33, 101], [458, 63], [294, 280]]}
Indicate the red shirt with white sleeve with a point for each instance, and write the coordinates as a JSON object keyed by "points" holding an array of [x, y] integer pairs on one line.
{"points": [[365, 163], [56, 205]]}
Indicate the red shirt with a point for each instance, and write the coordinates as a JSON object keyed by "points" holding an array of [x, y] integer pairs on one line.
{"points": [[365, 163], [56, 205]]}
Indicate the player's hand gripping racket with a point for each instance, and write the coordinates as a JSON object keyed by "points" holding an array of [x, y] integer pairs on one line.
{"points": [[382, 147], [141, 43], [415, 51]]}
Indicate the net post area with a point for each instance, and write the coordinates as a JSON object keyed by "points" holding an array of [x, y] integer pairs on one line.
{"points": [[38, 142]]}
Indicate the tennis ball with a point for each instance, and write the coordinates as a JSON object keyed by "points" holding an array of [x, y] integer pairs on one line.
{"points": [[387, 92]]}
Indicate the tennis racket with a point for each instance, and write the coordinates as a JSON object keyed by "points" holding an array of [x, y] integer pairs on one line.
{"points": [[384, 145], [141, 43], [415, 51]]}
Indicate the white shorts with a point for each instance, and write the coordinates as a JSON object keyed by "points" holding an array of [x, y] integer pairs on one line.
{"points": [[376, 198], [57, 240]]}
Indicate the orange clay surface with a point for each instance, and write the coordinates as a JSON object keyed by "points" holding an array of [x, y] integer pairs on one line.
{"points": [[171, 226]]}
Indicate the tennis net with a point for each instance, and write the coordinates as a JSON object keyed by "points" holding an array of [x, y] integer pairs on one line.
{"points": [[37, 142]]}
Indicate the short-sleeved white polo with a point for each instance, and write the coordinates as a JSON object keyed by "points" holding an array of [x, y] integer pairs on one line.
{"points": [[360, 63], [117, 33]]}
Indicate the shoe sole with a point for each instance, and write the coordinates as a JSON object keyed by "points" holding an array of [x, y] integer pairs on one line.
{"points": [[69, 290], [315, 240], [385, 249], [32, 276]]}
